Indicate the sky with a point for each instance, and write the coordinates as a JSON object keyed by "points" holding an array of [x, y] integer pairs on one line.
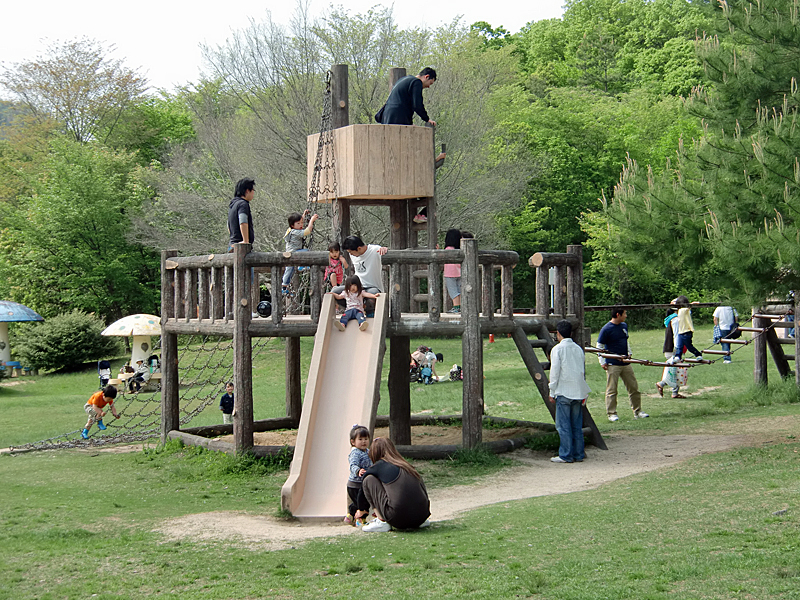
{"points": [[161, 39]]}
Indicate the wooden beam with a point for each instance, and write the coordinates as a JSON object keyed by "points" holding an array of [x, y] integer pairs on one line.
{"points": [[242, 352], [760, 353], [170, 401], [399, 390], [294, 399], [472, 347]]}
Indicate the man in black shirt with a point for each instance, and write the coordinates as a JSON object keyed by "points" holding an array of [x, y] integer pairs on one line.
{"points": [[240, 221]]}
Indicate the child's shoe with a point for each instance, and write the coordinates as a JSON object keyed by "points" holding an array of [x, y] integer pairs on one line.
{"points": [[339, 325], [101, 426], [85, 434], [420, 219], [349, 520], [361, 522], [363, 326]]}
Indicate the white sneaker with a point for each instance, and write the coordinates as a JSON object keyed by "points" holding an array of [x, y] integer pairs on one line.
{"points": [[640, 415], [558, 459], [338, 324], [378, 526], [363, 326], [427, 523], [613, 418]]}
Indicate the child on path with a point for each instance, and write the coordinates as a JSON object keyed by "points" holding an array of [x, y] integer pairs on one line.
{"points": [[294, 238], [226, 404], [334, 273], [685, 331], [94, 408], [354, 295], [359, 463]]}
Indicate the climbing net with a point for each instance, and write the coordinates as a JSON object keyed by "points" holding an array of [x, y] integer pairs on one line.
{"points": [[205, 366]]}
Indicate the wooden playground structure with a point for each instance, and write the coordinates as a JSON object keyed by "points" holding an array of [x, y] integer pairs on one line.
{"points": [[216, 295]]}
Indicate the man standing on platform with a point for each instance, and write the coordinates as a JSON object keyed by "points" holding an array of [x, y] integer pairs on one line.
{"points": [[405, 99], [613, 339], [240, 221]]}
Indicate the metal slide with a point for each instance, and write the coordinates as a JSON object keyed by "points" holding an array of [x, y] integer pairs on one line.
{"points": [[342, 390]]}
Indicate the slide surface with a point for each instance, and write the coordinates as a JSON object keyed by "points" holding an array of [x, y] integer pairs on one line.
{"points": [[342, 390]]}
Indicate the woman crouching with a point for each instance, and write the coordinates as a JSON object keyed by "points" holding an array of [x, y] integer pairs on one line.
{"points": [[394, 489]]}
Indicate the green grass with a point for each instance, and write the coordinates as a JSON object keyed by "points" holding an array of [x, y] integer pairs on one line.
{"points": [[80, 524]]}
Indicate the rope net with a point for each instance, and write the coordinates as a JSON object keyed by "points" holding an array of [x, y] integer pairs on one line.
{"points": [[205, 365]]}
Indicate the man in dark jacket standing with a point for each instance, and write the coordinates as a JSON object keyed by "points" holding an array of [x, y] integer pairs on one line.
{"points": [[240, 221], [406, 99]]}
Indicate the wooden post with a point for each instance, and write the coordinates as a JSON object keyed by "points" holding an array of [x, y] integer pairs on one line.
{"points": [[575, 293], [170, 402], [399, 391], [317, 287], [217, 293], [340, 96], [179, 301], [760, 352], [542, 291], [277, 295], [398, 214], [560, 292], [340, 104], [203, 297], [242, 352], [191, 294], [229, 300], [796, 339], [293, 396], [487, 291], [395, 291], [472, 347], [435, 292], [507, 290]]}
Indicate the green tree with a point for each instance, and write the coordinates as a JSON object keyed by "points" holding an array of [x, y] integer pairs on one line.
{"points": [[729, 205], [77, 84], [67, 245]]}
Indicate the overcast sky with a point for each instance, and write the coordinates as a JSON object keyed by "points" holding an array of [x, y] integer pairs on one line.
{"points": [[162, 38]]}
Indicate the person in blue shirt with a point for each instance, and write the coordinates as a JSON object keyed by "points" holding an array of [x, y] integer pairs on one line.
{"points": [[613, 339]]}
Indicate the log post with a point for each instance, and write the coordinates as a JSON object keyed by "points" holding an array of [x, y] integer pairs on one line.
{"points": [[435, 292], [293, 396], [340, 104], [170, 402], [229, 300], [217, 293], [398, 214], [507, 290], [560, 293], [316, 292], [277, 295], [191, 294], [472, 347], [395, 293], [575, 293], [796, 312], [203, 297], [760, 351], [242, 352], [179, 285], [399, 390], [542, 291]]}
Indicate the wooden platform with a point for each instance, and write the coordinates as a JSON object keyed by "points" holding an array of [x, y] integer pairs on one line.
{"points": [[377, 162]]}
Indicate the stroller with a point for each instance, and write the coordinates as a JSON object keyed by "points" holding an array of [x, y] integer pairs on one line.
{"points": [[103, 372]]}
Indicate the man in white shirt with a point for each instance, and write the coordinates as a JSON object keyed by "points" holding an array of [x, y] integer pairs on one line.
{"points": [[569, 391], [367, 266], [724, 318]]}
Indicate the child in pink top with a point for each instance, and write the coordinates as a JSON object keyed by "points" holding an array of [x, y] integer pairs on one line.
{"points": [[334, 272], [452, 271], [354, 294]]}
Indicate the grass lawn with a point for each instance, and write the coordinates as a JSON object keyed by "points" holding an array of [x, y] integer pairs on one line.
{"points": [[79, 524]]}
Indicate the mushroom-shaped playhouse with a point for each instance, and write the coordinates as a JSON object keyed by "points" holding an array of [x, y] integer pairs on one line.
{"points": [[12, 312], [141, 327]]}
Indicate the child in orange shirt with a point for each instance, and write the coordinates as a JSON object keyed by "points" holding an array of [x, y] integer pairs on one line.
{"points": [[94, 408]]}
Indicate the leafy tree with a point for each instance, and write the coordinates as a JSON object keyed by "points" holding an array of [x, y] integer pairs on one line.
{"points": [[64, 342], [66, 246], [76, 84], [729, 206]]}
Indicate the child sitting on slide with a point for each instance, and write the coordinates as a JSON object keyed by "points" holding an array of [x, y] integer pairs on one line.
{"points": [[354, 295]]}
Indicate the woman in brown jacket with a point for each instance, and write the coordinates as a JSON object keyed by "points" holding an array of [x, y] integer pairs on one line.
{"points": [[394, 489]]}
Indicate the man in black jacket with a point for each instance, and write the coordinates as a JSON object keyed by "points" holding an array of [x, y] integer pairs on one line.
{"points": [[405, 99]]}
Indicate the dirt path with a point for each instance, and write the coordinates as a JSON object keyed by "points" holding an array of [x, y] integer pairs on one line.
{"points": [[537, 476]]}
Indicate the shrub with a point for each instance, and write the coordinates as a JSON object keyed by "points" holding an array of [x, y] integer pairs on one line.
{"points": [[65, 341]]}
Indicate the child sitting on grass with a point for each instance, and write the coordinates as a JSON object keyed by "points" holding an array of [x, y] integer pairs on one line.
{"points": [[354, 295], [359, 463]]}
